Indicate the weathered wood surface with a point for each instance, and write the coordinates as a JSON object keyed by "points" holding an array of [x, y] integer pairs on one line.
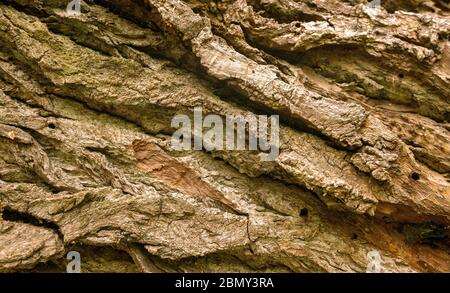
{"points": [[363, 96]]}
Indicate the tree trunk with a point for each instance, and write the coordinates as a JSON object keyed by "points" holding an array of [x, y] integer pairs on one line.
{"points": [[87, 164]]}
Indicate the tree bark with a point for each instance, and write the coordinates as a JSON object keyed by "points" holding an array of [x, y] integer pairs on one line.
{"points": [[363, 96]]}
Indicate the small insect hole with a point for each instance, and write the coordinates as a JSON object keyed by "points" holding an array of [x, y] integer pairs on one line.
{"points": [[354, 236], [401, 75], [51, 126], [304, 212], [415, 176]]}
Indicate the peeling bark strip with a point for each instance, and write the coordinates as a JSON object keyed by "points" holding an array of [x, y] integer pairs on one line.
{"points": [[157, 164], [86, 105]]}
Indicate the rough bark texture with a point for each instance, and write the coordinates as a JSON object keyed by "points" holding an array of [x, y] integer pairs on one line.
{"points": [[86, 103]]}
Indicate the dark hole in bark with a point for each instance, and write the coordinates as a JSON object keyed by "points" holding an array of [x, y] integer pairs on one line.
{"points": [[401, 75], [304, 212], [354, 236], [298, 24], [16, 216], [442, 37], [51, 125], [415, 176]]}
